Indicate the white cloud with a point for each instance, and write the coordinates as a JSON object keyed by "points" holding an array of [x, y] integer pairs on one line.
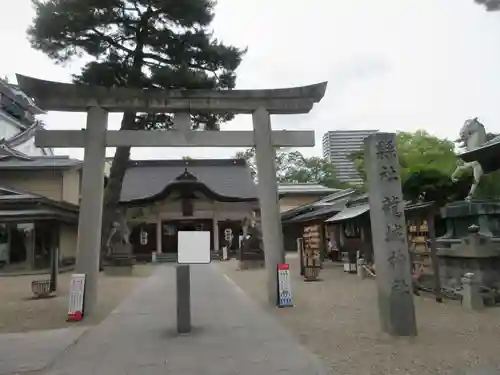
{"points": [[391, 64]]}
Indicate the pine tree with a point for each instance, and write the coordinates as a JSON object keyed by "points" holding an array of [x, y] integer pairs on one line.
{"points": [[165, 44], [491, 5]]}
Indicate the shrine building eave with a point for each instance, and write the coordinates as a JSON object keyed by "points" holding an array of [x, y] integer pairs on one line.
{"points": [[187, 188], [68, 97]]}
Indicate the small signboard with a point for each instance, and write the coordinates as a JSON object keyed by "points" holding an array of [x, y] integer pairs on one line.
{"points": [[76, 296], [194, 247], [284, 286]]}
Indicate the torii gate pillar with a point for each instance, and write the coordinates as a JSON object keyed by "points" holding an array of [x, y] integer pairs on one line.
{"points": [[272, 233], [91, 204]]}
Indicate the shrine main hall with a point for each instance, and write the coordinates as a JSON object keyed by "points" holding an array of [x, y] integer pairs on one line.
{"points": [[162, 197]]}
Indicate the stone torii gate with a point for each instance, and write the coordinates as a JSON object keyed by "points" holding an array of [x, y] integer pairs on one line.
{"points": [[99, 101]]}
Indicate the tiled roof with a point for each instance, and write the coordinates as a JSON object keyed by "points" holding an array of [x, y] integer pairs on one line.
{"points": [[225, 177], [38, 162], [7, 152], [320, 212], [18, 206], [305, 188], [14, 93], [23, 136], [327, 206]]}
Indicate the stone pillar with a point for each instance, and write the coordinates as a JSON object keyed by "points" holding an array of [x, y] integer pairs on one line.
{"points": [[90, 219], [471, 294], [341, 235], [54, 256], [362, 252], [159, 235], [438, 292], [299, 245], [389, 235], [272, 233], [29, 243]]}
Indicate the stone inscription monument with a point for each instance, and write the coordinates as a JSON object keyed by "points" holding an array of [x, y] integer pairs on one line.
{"points": [[98, 101], [390, 244]]}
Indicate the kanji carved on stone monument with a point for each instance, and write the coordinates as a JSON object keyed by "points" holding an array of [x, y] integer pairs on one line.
{"points": [[397, 312]]}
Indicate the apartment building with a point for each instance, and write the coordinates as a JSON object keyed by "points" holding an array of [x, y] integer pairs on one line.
{"points": [[338, 145]]}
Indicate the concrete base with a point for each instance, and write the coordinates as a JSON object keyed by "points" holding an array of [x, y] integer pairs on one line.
{"points": [[119, 270], [251, 264]]}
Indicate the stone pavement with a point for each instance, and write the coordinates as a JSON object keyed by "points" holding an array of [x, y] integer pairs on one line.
{"points": [[231, 334], [31, 351]]}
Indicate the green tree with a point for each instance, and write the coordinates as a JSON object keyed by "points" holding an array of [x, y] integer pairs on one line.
{"points": [[420, 151], [293, 167], [144, 44], [426, 164]]}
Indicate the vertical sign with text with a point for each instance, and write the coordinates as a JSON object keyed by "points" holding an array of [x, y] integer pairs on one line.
{"points": [[76, 297], [284, 286]]}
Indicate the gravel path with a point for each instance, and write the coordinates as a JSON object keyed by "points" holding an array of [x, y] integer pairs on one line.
{"points": [[338, 319], [19, 312]]}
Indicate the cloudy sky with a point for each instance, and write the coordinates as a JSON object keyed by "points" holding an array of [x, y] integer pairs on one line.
{"points": [[391, 64]]}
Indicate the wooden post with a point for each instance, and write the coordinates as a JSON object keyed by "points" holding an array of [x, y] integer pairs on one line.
{"points": [[54, 256], [324, 245], [438, 292], [30, 246]]}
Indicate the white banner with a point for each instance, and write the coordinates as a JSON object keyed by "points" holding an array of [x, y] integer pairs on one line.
{"points": [[76, 295], [284, 286]]}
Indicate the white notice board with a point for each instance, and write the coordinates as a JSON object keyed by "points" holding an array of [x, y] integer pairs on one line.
{"points": [[193, 247], [284, 286], [76, 295]]}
